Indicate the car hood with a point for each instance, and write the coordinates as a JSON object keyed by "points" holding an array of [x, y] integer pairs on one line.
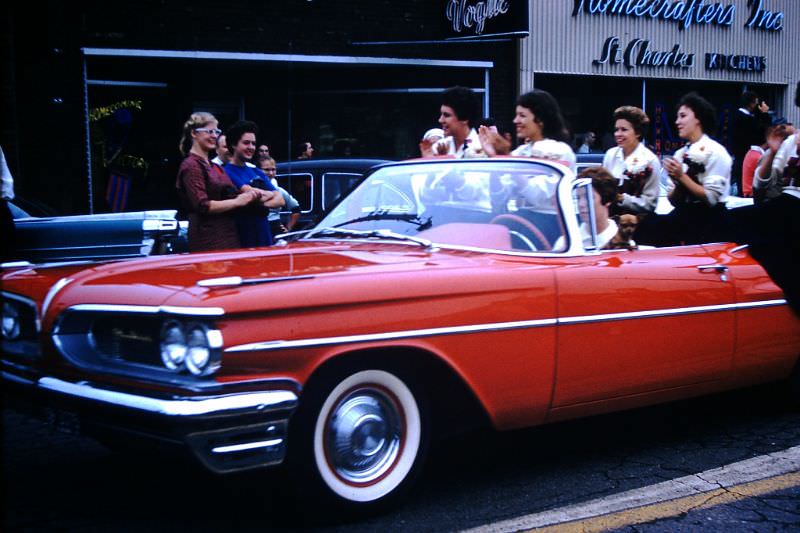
{"points": [[298, 275]]}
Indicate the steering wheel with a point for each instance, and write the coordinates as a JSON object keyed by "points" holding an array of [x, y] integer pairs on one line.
{"points": [[515, 223]]}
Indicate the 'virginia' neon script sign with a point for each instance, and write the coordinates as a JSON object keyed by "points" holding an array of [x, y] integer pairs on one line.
{"points": [[466, 13]]}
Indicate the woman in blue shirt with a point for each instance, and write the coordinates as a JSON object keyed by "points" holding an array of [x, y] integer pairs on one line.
{"points": [[252, 223]]}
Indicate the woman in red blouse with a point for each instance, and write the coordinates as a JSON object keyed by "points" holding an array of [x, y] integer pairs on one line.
{"points": [[206, 192]]}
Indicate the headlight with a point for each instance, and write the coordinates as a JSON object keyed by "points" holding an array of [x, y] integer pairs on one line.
{"points": [[199, 353], [192, 347], [173, 345], [11, 322]]}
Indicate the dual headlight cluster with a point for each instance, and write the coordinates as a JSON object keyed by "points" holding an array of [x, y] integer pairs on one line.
{"points": [[191, 346], [12, 327]]}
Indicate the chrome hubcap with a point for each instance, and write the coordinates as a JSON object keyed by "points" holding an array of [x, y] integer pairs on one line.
{"points": [[363, 436]]}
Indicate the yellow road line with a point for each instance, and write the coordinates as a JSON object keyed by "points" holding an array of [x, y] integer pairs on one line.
{"points": [[656, 511]]}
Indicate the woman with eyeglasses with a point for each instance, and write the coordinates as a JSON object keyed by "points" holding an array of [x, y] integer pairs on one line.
{"points": [[206, 193]]}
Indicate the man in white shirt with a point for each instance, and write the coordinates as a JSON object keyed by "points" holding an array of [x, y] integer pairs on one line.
{"points": [[458, 116]]}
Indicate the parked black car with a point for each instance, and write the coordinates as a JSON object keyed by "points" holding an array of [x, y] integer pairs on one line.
{"points": [[318, 184], [40, 239]]}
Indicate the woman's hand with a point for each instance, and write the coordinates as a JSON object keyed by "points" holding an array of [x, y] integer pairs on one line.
{"points": [[493, 143], [426, 148], [246, 197], [674, 169]]}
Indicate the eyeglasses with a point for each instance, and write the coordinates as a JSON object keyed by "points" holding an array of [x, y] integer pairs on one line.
{"points": [[266, 151], [210, 131]]}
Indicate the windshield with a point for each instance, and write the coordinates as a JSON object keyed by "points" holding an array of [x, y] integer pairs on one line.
{"points": [[493, 204]]}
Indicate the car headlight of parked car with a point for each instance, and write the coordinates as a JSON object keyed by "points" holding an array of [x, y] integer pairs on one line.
{"points": [[20, 326], [190, 347], [134, 340], [11, 322]]}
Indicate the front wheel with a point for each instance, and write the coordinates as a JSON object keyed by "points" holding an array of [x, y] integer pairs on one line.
{"points": [[362, 439]]}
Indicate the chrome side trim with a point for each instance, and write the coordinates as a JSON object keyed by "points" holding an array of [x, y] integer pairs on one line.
{"points": [[261, 401], [668, 312], [150, 309], [7, 376], [303, 343], [249, 446], [499, 326]]}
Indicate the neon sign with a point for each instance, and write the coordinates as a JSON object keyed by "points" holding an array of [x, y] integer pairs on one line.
{"points": [[466, 14], [684, 12], [638, 53]]}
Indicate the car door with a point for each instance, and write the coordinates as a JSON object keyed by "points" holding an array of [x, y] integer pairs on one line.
{"points": [[637, 322]]}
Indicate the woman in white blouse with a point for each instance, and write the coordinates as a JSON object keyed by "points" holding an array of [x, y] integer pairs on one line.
{"points": [[701, 174], [540, 126], [636, 168]]}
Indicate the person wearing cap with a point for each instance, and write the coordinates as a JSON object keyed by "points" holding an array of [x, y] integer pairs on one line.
{"points": [[431, 137]]}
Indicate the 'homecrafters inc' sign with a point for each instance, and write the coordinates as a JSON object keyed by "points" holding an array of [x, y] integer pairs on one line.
{"points": [[685, 13]]}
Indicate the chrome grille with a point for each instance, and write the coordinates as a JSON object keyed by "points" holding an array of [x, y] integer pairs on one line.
{"points": [[134, 339]]}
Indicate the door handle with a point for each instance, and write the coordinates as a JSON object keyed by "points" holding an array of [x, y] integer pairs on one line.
{"points": [[715, 268], [722, 270]]}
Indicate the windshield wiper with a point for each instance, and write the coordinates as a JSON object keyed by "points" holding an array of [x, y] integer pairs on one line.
{"points": [[368, 234], [385, 214]]}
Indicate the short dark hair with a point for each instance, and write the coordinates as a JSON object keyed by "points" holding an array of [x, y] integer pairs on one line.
{"points": [[703, 110], [636, 116], [300, 147], [748, 97], [797, 95], [464, 104], [603, 182], [545, 109], [237, 131]]}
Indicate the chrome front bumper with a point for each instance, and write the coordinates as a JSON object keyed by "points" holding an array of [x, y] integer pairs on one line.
{"points": [[227, 432]]}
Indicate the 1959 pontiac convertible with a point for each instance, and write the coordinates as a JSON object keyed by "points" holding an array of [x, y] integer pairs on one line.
{"points": [[438, 295]]}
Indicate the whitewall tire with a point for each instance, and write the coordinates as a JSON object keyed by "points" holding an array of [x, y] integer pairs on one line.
{"points": [[368, 438]]}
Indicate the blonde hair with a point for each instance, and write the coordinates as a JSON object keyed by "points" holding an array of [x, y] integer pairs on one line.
{"points": [[196, 120]]}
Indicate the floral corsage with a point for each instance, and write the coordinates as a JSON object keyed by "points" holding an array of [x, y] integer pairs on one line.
{"points": [[635, 175], [696, 158]]}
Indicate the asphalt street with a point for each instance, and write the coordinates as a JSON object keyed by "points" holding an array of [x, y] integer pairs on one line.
{"points": [[56, 481]]}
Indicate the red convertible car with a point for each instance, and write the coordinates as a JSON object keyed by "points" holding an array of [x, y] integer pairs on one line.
{"points": [[439, 295]]}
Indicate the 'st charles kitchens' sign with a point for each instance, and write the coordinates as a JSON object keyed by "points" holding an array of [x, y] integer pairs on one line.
{"points": [[475, 19], [639, 51]]}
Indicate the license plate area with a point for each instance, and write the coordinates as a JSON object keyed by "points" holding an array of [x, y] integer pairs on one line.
{"points": [[62, 421]]}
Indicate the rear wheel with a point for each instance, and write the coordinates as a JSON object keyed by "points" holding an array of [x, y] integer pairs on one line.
{"points": [[361, 439]]}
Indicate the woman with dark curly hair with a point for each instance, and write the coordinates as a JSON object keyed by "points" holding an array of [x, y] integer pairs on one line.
{"points": [[540, 126], [701, 177], [636, 168]]}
